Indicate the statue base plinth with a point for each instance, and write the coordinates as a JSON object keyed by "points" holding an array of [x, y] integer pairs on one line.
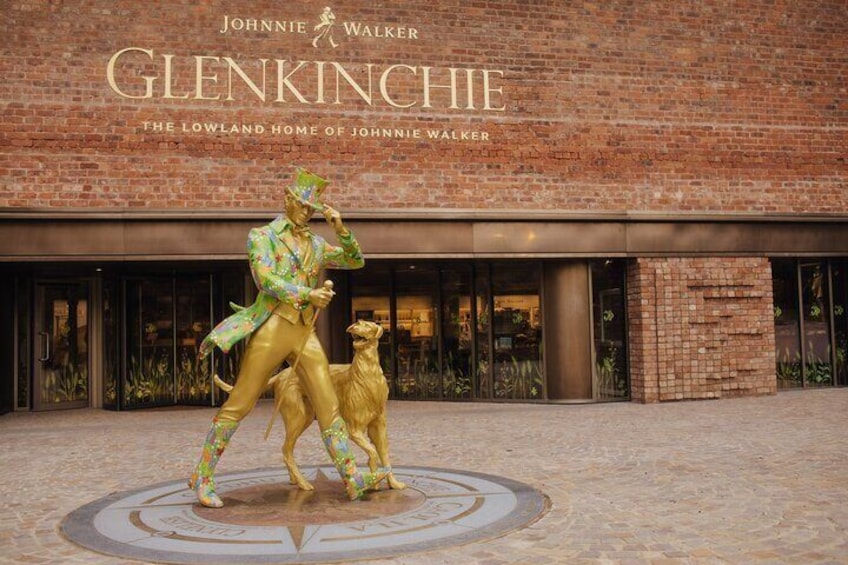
{"points": [[266, 519]]}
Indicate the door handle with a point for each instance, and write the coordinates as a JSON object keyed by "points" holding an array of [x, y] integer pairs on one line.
{"points": [[46, 348]]}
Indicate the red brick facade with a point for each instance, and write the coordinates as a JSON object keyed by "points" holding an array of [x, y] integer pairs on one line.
{"points": [[700, 328], [614, 106], [617, 109]]}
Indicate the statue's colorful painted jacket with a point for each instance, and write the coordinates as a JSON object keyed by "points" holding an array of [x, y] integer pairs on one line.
{"points": [[282, 277]]}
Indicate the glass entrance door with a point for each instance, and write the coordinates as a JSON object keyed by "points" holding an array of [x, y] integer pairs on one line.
{"points": [[166, 320], [61, 376]]}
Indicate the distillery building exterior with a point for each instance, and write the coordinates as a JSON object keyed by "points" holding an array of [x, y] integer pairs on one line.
{"points": [[557, 201]]}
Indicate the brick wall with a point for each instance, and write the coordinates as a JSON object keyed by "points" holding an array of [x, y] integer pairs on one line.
{"points": [[718, 107], [700, 328]]}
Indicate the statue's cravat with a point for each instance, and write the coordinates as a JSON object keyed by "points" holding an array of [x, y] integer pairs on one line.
{"points": [[301, 231], [303, 237]]}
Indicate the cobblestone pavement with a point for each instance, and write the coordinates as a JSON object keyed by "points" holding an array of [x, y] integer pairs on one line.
{"points": [[757, 480]]}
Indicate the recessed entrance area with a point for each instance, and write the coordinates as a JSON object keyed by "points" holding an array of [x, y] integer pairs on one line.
{"points": [[126, 336], [498, 330]]}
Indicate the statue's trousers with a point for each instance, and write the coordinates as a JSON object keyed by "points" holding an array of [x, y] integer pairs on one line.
{"points": [[275, 341]]}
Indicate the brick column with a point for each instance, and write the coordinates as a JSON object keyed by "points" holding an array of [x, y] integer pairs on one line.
{"points": [[700, 328]]}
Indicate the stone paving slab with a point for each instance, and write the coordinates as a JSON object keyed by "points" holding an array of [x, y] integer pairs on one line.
{"points": [[754, 480]]}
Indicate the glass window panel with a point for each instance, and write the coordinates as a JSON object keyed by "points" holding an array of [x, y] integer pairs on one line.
{"points": [[150, 343], [482, 331], [24, 299], [417, 342], [815, 301], [194, 380], [786, 323], [8, 330], [840, 319], [517, 329], [111, 374], [610, 329], [370, 300], [456, 332]]}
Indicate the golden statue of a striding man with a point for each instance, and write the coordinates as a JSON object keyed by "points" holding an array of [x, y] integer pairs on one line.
{"points": [[285, 260]]}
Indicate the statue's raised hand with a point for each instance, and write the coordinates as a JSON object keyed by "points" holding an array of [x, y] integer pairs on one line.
{"points": [[334, 218]]}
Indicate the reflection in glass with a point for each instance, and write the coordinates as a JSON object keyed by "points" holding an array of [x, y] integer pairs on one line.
{"points": [[370, 292], [517, 331], [482, 331], [840, 318], [111, 374], [815, 302], [194, 381], [166, 321], [456, 332], [417, 343], [150, 346], [786, 323], [609, 329], [24, 298], [64, 369], [442, 351]]}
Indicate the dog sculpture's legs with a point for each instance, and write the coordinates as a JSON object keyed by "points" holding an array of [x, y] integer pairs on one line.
{"points": [[202, 481], [315, 378], [297, 419], [359, 438], [378, 433], [357, 483]]}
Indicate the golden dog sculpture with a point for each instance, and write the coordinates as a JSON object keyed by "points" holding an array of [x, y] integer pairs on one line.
{"points": [[362, 391]]}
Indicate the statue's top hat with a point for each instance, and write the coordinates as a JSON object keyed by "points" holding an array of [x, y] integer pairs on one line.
{"points": [[307, 188]]}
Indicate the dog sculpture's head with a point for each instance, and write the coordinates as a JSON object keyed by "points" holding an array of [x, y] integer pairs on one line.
{"points": [[365, 334]]}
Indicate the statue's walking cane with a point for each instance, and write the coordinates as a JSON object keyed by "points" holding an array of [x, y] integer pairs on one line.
{"points": [[328, 285]]}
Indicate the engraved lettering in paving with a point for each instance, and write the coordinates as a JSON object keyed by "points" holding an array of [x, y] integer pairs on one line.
{"points": [[431, 513], [429, 485], [187, 524]]}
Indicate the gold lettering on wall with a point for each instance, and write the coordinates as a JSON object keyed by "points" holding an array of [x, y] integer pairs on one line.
{"points": [[110, 73], [384, 81], [138, 73]]}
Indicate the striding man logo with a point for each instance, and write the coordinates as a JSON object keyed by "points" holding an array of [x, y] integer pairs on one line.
{"points": [[325, 28]]}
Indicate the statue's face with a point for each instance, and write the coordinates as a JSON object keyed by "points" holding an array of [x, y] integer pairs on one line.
{"points": [[297, 212]]}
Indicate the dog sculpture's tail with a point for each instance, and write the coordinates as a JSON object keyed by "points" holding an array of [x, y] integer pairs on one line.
{"points": [[222, 385], [226, 387]]}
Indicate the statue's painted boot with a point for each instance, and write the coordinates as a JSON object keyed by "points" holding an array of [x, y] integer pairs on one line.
{"points": [[202, 481], [357, 483]]}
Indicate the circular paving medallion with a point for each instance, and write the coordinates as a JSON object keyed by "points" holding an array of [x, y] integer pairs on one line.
{"points": [[267, 520]]}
